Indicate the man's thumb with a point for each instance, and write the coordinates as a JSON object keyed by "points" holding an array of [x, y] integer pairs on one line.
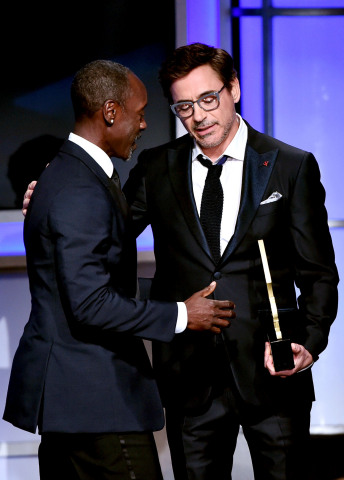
{"points": [[208, 290]]}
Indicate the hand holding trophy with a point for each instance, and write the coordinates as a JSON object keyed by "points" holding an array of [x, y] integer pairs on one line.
{"points": [[280, 347]]}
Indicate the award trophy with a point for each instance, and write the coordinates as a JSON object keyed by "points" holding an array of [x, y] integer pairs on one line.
{"points": [[280, 347]]}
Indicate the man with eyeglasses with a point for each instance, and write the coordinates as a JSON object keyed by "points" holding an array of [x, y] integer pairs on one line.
{"points": [[209, 197]]}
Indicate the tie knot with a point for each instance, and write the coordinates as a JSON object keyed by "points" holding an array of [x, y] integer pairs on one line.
{"points": [[207, 163], [204, 161], [115, 178], [214, 170]]}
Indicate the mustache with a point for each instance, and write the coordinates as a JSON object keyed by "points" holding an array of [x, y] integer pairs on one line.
{"points": [[202, 124]]}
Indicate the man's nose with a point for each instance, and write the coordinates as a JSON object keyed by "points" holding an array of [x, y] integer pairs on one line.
{"points": [[198, 113]]}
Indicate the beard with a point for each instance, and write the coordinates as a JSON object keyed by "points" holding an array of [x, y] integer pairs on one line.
{"points": [[132, 148], [208, 140], [131, 151]]}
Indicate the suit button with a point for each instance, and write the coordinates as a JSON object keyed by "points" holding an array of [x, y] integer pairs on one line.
{"points": [[217, 275]]}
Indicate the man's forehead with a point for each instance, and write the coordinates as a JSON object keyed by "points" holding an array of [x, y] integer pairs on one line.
{"points": [[136, 83], [199, 81], [138, 89]]}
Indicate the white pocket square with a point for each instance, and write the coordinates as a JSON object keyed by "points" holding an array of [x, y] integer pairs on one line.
{"points": [[273, 198]]}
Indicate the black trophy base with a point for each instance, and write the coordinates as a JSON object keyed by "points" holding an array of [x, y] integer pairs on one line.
{"points": [[282, 355]]}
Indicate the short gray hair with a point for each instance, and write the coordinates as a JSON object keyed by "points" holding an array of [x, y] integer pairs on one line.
{"points": [[97, 82]]}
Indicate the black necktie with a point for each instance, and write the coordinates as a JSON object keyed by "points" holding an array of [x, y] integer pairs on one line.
{"points": [[115, 178], [117, 191], [212, 204]]}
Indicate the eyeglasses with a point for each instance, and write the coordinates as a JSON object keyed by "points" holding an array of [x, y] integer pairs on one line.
{"points": [[208, 102]]}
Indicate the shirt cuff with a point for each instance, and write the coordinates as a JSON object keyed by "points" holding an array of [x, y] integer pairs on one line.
{"points": [[182, 319], [306, 368]]}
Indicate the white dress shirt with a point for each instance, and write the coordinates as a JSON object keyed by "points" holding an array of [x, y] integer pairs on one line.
{"points": [[102, 158], [105, 163], [231, 181]]}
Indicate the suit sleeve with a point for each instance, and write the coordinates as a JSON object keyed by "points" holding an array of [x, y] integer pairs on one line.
{"points": [[316, 272], [83, 240]]}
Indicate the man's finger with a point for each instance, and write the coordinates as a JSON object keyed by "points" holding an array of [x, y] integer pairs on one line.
{"points": [[224, 304], [222, 322], [225, 314], [208, 290]]}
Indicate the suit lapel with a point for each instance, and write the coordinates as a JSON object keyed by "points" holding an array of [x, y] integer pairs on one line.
{"points": [[257, 172], [181, 180], [91, 164]]}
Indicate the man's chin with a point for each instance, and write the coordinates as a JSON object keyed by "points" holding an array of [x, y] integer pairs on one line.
{"points": [[207, 139], [207, 143], [130, 154], [131, 151]]}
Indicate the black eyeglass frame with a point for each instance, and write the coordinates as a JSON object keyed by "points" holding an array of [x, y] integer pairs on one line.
{"points": [[191, 103]]}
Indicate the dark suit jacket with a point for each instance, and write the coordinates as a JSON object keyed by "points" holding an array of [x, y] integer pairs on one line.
{"points": [[81, 365], [299, 250]]}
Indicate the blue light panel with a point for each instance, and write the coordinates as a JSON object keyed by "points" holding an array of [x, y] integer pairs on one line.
{"points": [[11, 239], [200, 27], [308, 103], [250, 3], [308, 3], [12, 244], [251, 71]]}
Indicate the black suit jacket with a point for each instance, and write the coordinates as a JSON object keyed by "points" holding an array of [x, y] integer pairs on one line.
{"points": [[81, 365], [299, 250]]}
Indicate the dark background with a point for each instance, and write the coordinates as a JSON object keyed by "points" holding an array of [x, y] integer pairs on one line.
{"points": [[43, 46]]}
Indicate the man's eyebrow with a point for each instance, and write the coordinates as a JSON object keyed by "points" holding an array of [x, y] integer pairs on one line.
{"points": [[201, 95]]}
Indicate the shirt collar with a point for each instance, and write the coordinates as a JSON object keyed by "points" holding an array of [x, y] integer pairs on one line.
{"points": [[95, 152], [236, 149]]}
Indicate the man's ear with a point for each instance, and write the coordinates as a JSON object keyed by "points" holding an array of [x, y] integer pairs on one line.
{"points": [[235, 90], [109, 111]]}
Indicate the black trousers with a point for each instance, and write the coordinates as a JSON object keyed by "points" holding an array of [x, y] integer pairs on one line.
{"points": [[108, 456], [202, 446]]}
